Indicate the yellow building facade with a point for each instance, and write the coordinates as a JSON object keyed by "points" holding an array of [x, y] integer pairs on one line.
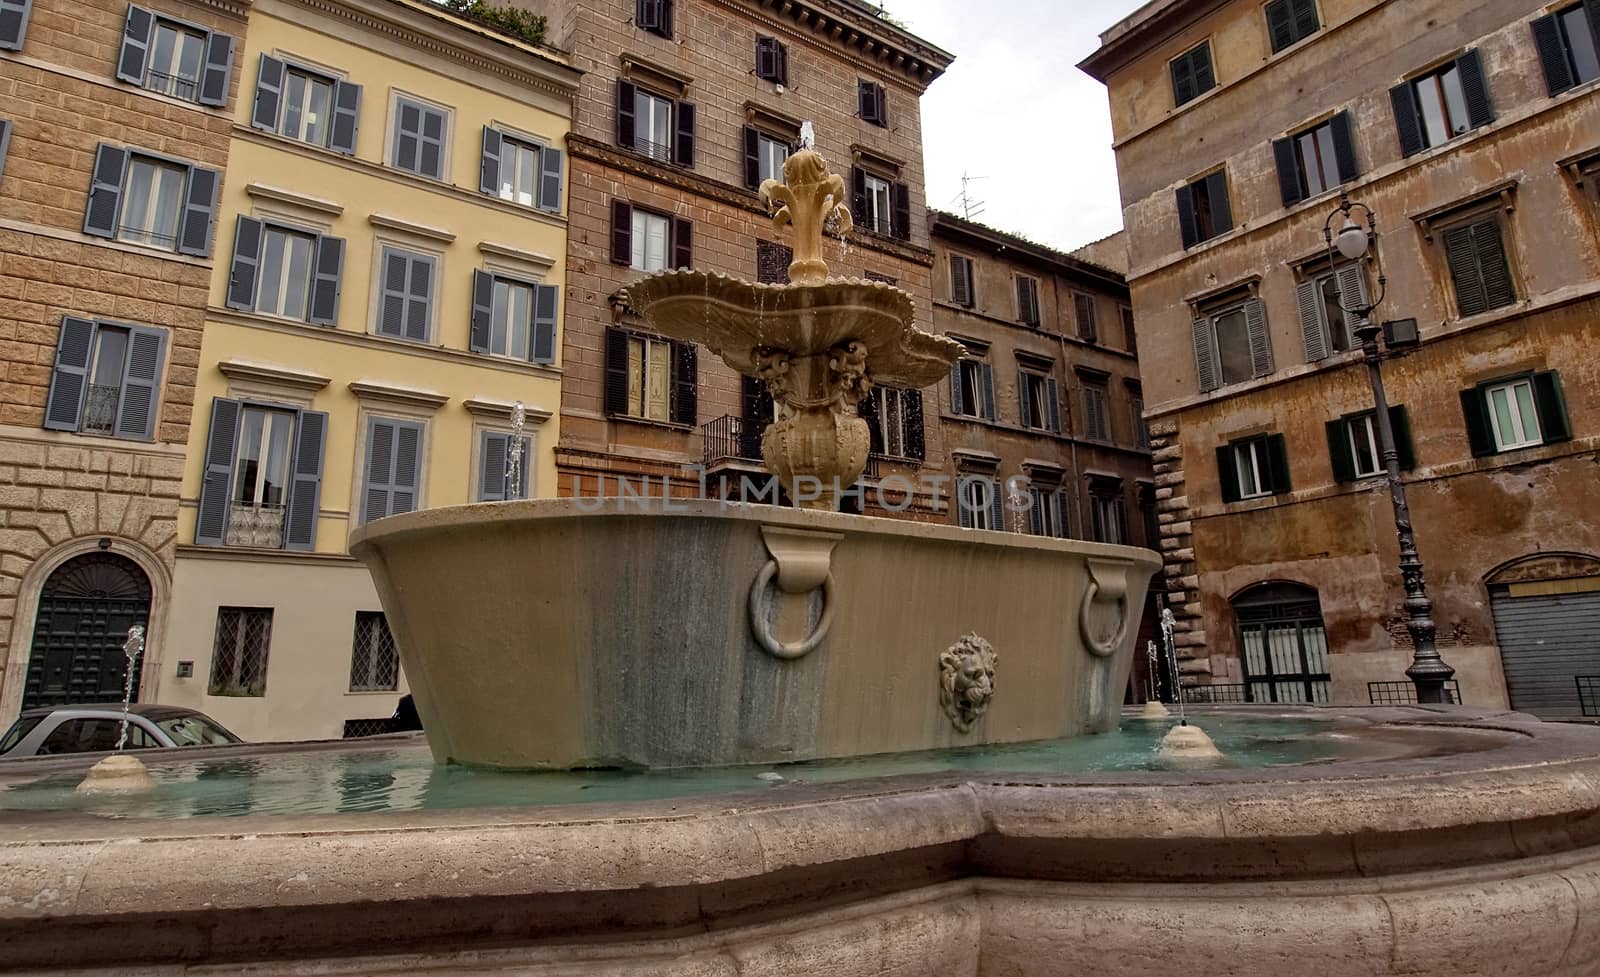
{"points": [[388, 286]]}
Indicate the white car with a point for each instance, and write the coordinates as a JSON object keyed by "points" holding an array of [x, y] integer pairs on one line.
{"points": [[58, 730]]}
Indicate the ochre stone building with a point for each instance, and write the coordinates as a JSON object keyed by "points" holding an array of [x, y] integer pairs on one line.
{"points": [[1472, 129], [114, 133]]}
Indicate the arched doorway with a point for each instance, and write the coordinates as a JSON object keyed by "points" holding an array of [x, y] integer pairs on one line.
{"points": [[1283, 644], [1547, 622], [86, 608]]}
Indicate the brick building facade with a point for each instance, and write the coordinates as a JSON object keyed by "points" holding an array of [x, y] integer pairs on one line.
{"points": [[114, 133]]}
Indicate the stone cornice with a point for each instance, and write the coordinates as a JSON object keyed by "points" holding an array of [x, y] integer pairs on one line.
{"points": [[272, 373], [292, 198], [582, 147], [395, 393], [500, 410], [433, 29], [842, 23], [233, 8], [428, 231]]}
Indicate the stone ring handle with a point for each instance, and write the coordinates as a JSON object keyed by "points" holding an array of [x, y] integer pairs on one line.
{"points": [[786, 651], [1115, 588]]}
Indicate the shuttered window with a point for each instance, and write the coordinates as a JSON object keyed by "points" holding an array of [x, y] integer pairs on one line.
{"points": [[262, 482], [1083, 310], [1203, 209], [1231, 344], [654, 16], [655, 125], [980, 504], [5, 143], [306, 105], [1130, 336], [772, 262], [406, 285], [1516, 412], [894, 420], [1289, 21], [1046, 515], [284, 271], [1108, 515], [1316, 160], [1442, 104], [420, 132], [1354, 446], [175, 58], [880, 205], [772, 60], [650, 378], [14, 23], [521, 171], [392, 473], [1039, 401], [1253, 468], [1324, 300], [764, 156], [150, 200], [647, 241], [873, 103], [1096, 417], [1027, 300], [1566, 41], [1192, 75], [962, 290], [106, 380], [514, 318], [495, 477], [972, 389], [1479, 269]]}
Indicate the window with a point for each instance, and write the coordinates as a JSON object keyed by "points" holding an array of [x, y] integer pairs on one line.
{"points": [[520, 171], [13, 23], [647, 241], [1289, 21], [772, 60], [1141, 430], [1325, 326], [1027, 300], [262, 481], [284, 271], [764, 156], [1253, 468], [405, 301], [1354, 448], [1516, 412], [174, 58], [94, 736], [874, 103], [654, 125], [374, 662], [894, 417], [1231, 344], [1130, 337], [1283, 644], [1044, 512], [1316, 160], [419, 138], [979, 503], [877, 215], [772, 262], [1039, 400], [1479, 270], [239, 653], [880, 205], [1108, 517], [145, 199], [514, 318], [1442, 104], [1083, 309], [393, 470], [1096, 420], [106, 379], [650, 378], [1566, 43], [962, 291], [1203, 209], [654, 16], [1192, 75], [494, 467], [972, 389], [306, 105]]}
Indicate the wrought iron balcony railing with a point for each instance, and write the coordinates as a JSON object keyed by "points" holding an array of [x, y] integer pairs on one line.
{"points": [[258, 525], [100, 409]]}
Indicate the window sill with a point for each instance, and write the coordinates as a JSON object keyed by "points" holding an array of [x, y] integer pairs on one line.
{"points": [[371, 692], [651, 422]]}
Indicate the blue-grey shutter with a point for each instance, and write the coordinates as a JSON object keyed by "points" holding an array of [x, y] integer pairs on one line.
{"points": [[489, 169], [305, 492], [550, 162], [1352, 292], [328, 265], [13, 23], [1025, 408], [376, 487], [1053, 402], [216, 483], [346, 117], [408, 137], [419, 297], [1552, 54], [199, 211], [247, 239], [492, 476], [482, 311], [1408, 124], [1475, 89], [64, 408], [105, 191], [269, 90], [685, 383], [1461, 255], [957, 405], [135, 45], [141, 383], [1255, 323], [392, 298], [997, 506], [407, 467], [218, 70], [1207, 369], [430, 153], [545, 305], [5, 143], [988, 393], [1313, 324]]}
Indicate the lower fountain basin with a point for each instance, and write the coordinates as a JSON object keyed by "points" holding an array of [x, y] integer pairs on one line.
{"points": [[626, 632]]}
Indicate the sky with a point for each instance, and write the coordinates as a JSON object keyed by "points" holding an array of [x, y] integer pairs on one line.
{"points": [[1015, 110]]}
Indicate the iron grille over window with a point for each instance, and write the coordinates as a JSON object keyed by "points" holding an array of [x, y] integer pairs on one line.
{"points": [[1284, 645], [374, 663], [239, 657]]}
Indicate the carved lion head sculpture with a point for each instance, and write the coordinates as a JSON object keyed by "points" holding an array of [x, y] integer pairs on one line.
{"points": [[967, 680]]}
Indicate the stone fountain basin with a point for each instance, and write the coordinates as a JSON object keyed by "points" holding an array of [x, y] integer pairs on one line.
{"points": [[540, 635]]}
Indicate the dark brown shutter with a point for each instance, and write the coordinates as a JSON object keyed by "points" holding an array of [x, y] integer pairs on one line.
{"points": [[1290, 185], [1552, 54], [1498, 290], [616, 393], [911, 406], [868, 409], [783, 64], [756, 414], [621, 232], [960, 281], [1182, 80], [1461, 255], [682, 243], [767, 58], [685, 383], [900, 224], [1344, 147], [752, 158], [1406, 120], [1475, 87], [858, 194], [625, 114], [772, 263], [1188, 227], [1475, 408], [683, 138]]}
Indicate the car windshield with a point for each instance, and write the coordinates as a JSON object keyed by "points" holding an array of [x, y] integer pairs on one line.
{"points": [[195, 730]]}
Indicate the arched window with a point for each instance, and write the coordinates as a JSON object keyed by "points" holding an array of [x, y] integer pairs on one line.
{"points": [[1283, 644]]}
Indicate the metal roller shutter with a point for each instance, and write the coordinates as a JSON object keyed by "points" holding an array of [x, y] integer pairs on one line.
{"points": [[1544, 643]]}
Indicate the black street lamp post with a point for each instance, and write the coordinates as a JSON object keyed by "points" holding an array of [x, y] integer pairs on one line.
{"points": [[1427, 671]]}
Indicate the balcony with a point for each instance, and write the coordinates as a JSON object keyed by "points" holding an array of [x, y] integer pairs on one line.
{"points": [[100, 409], [259, 526], [728, 440]]}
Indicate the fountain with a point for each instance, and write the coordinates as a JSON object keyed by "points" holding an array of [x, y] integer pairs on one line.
{"points": [[654, 635]]}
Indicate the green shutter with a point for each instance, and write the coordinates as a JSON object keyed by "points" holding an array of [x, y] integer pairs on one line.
{"points": [[1344, 464], [1475, 408], [1277, 464], [1228, 473], [1404, 446], [1552, 406]]}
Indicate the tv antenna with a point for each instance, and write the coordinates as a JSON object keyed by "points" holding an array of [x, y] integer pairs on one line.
{"points": [[971, 209]]}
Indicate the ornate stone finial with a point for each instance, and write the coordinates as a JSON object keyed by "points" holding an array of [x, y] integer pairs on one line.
{"points": [[809, 200], [966, 680]]}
